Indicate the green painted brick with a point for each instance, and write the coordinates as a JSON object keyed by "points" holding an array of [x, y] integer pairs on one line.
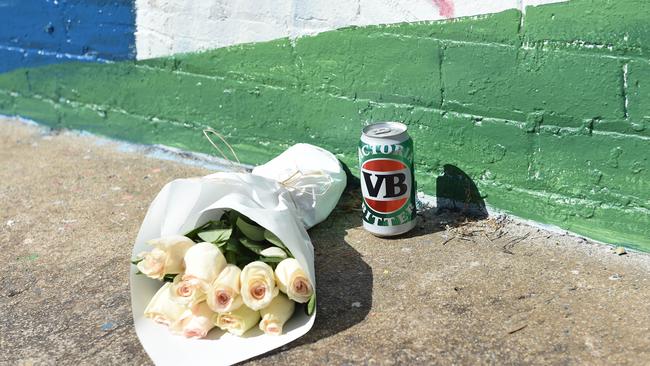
{"points": [[626, 126], [358, 66], [621, 24], [6, 102], [638, 94], [611, 170], [271, 63], [542, 131], [513, 83], [602, 222], [39, 110]]}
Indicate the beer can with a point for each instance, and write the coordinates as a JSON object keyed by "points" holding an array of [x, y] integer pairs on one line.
{"points": [[387, 179]]}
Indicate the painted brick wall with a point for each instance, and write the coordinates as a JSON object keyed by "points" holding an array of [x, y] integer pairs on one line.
{"points": [[169, 27], [547, 111], [40, 32]]}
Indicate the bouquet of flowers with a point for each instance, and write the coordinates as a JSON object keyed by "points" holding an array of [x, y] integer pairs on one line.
{"points": [[230, 251], [230, 273]]}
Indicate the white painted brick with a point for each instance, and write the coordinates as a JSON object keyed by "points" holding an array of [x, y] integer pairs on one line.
{"points": [[165, 27], [477, 7], [396, 11], [540, 2]]}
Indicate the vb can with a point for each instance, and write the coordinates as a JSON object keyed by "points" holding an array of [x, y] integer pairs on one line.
{"points": [[387, 179]]}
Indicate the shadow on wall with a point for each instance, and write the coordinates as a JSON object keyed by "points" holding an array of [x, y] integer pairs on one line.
{"points": [[456, 191], [458, 201]]}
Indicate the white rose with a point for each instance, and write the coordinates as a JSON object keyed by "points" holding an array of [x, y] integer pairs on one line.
{"points": [[257, 285], [166, 256], [238, 321], [293, 281], [195, 323], [162, 308], [203, 262], [276, 314], [187, 292], [223, 294]]}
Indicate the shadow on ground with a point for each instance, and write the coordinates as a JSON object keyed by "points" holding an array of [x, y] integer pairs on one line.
{"points": [[458, 202], [344, 279]]}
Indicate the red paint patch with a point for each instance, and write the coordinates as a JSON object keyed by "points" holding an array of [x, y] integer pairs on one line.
{"points": [[445, 8], [383, 165], [386, 206]]}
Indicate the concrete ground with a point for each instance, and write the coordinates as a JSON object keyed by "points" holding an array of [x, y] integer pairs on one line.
{"points": [[453, 291]]}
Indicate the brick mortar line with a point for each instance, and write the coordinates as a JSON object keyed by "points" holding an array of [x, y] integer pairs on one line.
{"points": [[254, 83], [582, 48], [572, 131], [195, 126], [99, 108], [419, 107], [558, 198], [566, 200], [211, 77]]}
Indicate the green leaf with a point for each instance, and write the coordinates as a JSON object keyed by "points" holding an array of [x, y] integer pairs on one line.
{"points": [[251, 231], [271, 238], [135, 261], [215, 235], [311, 305], [192, 234], [231, 257], [245, 259], [271, 259], [231, 216], [235, 251], [255, 247], [233, 245], [222, 223]]}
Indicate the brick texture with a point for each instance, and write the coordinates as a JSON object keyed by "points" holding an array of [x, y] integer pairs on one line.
{"points": [[548, 117]]}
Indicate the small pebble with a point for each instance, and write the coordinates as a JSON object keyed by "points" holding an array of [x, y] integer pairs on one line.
{"points": [[620, 251], [356, 304], [615, 277], [108, 326]]}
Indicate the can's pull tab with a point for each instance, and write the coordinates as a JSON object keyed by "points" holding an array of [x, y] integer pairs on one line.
{"points": [[381, 131]]}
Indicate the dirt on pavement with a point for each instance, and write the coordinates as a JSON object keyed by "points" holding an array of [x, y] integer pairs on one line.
{"points": [[453, 291]]}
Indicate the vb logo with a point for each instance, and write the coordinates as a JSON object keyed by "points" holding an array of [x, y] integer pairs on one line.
{"points": [[385, 184]]}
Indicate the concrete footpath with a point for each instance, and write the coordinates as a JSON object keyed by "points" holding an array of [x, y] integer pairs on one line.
{"points": [[453, 291]]}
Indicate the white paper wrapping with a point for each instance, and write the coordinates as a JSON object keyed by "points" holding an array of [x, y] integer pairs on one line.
{"points": [[292, 192], [312, 175]]}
